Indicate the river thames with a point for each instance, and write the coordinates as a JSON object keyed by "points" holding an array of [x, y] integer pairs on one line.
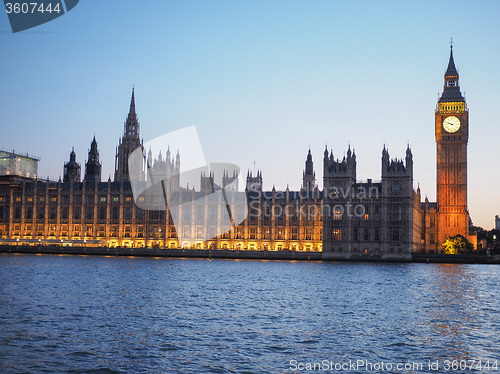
{"points": [[79, 314]]}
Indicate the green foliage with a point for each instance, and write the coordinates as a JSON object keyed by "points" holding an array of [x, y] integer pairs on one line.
{"points": [[457, 245]]}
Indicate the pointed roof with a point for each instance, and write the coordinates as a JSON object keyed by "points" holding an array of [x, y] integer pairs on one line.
{"points": [[72, 156], [451, 71], [451, 92], [93, 145], [309, 156], [132, 103]]}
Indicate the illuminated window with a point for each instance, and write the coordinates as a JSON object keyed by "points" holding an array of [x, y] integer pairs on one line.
{"points": [[266, 233], [309, 233], [200, 232], [337, 234], [366, 217], [253, 232], [280, 233], [337, 213], [239, 232]]}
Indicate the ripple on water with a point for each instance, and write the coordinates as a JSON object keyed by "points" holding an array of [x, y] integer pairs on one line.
{"points": [[121, 315]]}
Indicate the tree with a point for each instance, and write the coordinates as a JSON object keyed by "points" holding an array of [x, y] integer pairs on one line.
{"points": [[457, 245]]}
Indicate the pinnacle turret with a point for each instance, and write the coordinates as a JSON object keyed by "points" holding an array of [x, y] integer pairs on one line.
{"points": [[93, 166], [71, 171]]}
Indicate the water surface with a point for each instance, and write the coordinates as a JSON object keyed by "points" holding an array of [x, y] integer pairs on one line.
{"points": [[80, 314]]}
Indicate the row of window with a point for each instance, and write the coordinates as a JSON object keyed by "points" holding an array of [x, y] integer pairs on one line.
{"points": [[364, 212], [365, 235], [88, 213], [76, 199]]}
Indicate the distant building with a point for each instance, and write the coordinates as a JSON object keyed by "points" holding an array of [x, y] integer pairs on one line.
{"points": [[497, 223], [16, 164]]}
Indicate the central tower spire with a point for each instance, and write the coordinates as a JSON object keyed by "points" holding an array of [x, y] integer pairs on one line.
{"points": [[132, 105], [128, 143]]}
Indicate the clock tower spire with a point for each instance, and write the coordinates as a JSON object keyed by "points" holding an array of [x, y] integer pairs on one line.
{"points": [[452, 135]]}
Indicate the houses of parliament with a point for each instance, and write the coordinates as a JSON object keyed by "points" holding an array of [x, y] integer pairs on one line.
{"points": [[345, 219]]}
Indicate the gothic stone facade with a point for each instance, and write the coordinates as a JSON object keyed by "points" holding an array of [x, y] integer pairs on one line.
{"points": [[348, 219], [370, 219]]}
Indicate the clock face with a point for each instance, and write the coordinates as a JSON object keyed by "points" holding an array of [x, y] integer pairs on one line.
{"points": [[451, 124]]}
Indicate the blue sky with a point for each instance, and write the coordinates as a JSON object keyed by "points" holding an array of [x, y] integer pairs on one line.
{"points": [[261, 80]]}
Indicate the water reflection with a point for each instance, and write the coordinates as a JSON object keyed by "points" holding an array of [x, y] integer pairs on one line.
{"points": [[451, 316], [90, 314]]}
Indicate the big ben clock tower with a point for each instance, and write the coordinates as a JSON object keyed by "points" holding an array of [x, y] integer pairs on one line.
{"points": [[452, 135]]}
